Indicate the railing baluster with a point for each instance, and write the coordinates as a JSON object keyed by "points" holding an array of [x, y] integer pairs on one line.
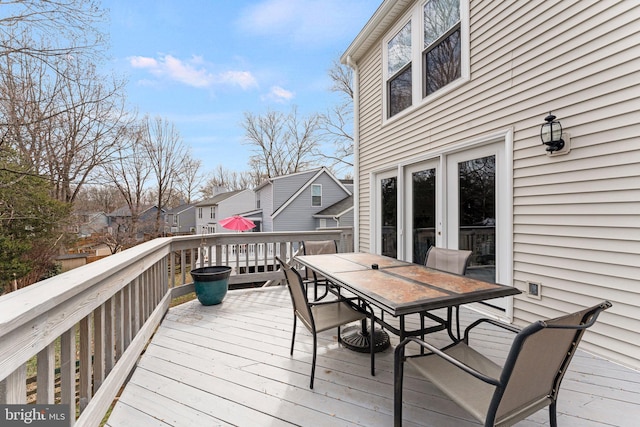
{"points": [[135, 309], [13, 389], [108, 335], [46, 369], [85, 362], [118, 326], [98, 345], [183, 266], [126, 315], [68, 372]]}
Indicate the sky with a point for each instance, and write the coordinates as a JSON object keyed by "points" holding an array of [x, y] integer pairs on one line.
{"points": [[201, 64]]}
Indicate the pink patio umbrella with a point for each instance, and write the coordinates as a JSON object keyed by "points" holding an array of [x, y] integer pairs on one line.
{"points": [[237, 222]]}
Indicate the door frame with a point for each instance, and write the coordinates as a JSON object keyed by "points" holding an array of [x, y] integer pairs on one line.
{"points": [[499, 143]]}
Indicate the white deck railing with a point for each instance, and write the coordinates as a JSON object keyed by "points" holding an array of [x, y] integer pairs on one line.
{"points": [[92, 323]]}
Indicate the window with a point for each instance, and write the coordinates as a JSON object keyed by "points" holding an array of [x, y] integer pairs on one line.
{"points": [[442, 48], [200, 213], [316, 195], [213, 212], [425, 53], [399, 71], [257, 200]]}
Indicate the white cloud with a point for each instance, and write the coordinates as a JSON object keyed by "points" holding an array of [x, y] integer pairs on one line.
{"points": [[192, 72], [244, 79], [279, 95]]}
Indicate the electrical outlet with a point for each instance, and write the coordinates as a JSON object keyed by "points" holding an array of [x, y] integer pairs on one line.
{"points": [[534, 290]]}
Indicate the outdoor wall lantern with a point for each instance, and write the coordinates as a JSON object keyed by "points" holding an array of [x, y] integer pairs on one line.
{"points": [[551, 134]]}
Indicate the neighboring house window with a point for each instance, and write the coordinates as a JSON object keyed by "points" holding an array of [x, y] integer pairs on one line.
{"points": [[399, 71], [175, 220], [316, 195], [213, 212], [200, 213], [442, 49], [257, 200]]}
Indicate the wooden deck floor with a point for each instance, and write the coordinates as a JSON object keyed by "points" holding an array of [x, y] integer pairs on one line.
{"points": [[230, 365]]}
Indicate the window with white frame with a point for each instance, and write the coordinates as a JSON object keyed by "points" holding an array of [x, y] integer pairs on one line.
{"points": [[213, 212], [425, 53], [316, 195], [200, 213], [399, 85], [442, 47]]}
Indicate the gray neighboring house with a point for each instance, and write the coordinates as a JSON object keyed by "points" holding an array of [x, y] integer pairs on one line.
{"points": [[182, 219], [88, 223], [303, 201], [338, 215], [120, 220], [223, 205]]}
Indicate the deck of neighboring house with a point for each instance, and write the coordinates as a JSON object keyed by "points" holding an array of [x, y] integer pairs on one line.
{"points": [[229, 364]]}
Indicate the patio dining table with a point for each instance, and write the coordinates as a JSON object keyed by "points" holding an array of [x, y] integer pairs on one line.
{"points": [[401, 288]]}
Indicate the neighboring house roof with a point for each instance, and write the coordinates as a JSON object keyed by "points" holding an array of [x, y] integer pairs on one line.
{"points": [[276, 178], [217, 199], [337, 209], [305, 186], [251, 212], [179, 209], [125, 211]]}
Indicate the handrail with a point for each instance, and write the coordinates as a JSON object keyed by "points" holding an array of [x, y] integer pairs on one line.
{"points": [[107, 311]]}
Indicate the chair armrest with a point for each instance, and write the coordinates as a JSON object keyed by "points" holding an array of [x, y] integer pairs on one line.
{"points": [[502, 325], [399, 352]]}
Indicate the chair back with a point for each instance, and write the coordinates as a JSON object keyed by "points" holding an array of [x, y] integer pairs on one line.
{"points": [[449, 260], [298, 295], [318, 247], [538, 359]]}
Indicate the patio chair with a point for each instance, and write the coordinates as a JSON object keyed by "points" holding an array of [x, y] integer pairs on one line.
{"points": [[318, 247], [497, 395], [452, 261], [321, 316]]}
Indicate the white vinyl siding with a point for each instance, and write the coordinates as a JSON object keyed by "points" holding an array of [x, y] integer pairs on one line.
{"points": [[576, 217]]}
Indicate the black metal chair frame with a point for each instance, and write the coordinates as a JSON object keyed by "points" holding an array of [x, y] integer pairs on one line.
{"points": [[516, 366], [312, 276], [355, 304]]}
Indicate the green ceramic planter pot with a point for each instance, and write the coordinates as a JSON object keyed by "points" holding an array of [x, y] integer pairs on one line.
{"points": [[211, 283]]}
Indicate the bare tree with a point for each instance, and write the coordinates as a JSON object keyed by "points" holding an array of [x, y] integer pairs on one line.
{"points": [[166, 153], [70, 28], [129, 172], [335, 126], [100, 197], [226, 180], [57, 111], [87, 133], [190, 178], [282, 143]]}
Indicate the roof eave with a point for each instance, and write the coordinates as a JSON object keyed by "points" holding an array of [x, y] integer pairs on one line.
{"points": [[377, 25]]}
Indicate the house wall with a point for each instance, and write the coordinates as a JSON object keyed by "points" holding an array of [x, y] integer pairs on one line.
{"points": [[576, 223], [298, 215], [201, 223], [266, 204], [346, 220], [244, 201], [287, 186]]}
